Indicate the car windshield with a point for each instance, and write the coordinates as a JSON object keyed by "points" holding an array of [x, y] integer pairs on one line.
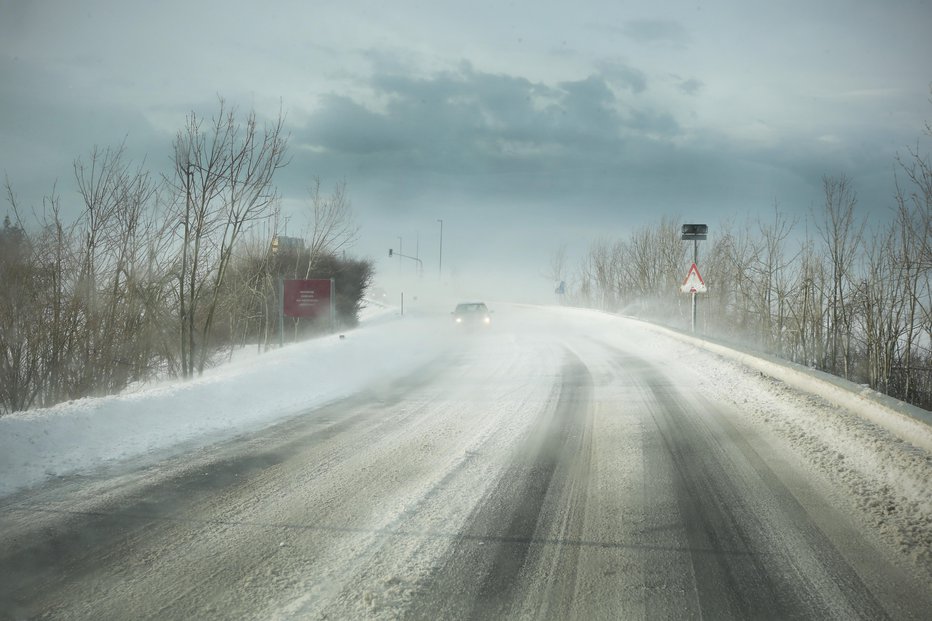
{"points": [[247, 369], [471, 308]]}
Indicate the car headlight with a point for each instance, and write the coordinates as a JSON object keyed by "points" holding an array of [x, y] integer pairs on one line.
{"points": [[488, 320], [459, 320]]}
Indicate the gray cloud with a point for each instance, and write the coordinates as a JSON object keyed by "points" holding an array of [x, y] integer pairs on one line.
{"points": [[624, 75], [656, 31], [344, 126], [46, 126], [480, 141], [691, 86], [473, 121], [571, 156]]}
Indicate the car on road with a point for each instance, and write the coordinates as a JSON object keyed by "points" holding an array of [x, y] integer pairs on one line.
{"points": [[472, 314]]}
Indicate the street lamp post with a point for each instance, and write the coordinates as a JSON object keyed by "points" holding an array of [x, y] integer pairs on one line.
{"points": [[440, 266], [400, 250]]}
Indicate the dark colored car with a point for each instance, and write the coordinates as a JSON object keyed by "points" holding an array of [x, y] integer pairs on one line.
{"points": [[472, 314]]}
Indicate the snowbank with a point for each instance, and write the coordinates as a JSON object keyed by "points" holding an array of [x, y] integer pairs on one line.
{"points": [[247, 393], [908, 423]]}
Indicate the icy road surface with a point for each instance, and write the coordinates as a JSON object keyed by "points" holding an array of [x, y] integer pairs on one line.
{"points": [[563, 464]]}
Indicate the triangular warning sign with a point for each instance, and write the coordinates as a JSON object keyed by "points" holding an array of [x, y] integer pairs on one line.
{"points": [[693, 282]]}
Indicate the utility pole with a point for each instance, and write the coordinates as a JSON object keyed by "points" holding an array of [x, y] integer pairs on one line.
{"points": [[440, 267], [188, 176], [692, 323]]}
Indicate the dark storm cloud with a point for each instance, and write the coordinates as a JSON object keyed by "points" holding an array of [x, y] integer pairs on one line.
{"points": [[494, 139], [472, 121], [344, 126], [598, 146]]}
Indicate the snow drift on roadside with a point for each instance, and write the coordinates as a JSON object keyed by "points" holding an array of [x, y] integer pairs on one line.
{"points": [[81, 435]]}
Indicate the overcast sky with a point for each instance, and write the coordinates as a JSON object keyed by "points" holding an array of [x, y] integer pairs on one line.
{"points": [[523, 125]]}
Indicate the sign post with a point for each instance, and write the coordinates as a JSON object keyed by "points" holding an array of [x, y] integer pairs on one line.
{"points": [[694, 283], [307, 298]]}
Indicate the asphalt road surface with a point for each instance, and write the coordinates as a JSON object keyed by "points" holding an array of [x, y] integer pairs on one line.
{"points": [[523, 474]]}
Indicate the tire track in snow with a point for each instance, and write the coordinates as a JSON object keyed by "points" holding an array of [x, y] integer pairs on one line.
{"points": [[748, 560], [174, 507], [482, 576]]}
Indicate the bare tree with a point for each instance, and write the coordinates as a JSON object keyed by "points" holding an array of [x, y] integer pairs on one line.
{"points": [[603, 273], [20, 326], [556, 268], [914, 256], [250, 288], [733, 262], [224, 175], [332, 227], [773, 285], [116, 231], [881, 310], [842, 234]]}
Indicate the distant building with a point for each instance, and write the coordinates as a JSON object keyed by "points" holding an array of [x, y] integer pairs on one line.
{"points": [[282, 243]]}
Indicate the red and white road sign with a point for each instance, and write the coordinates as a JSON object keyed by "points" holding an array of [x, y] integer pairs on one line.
{"points": [[693, 282], [307, 298]]}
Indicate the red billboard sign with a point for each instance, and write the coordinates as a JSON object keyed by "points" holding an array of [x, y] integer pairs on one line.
{"points": [[307, 298]]}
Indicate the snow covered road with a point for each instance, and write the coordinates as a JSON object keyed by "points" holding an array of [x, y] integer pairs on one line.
{"points": [[563, 464]]}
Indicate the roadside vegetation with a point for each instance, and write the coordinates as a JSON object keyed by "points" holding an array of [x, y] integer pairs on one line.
{"points": [[162, 276], [835, 292]]}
